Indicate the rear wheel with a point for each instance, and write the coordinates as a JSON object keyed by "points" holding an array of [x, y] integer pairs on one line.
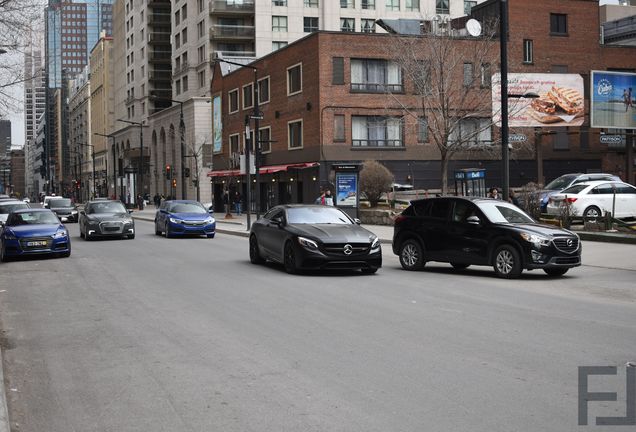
{"points": [[411, 255], [507, 263], [255, 255], [555, 271], [592, 213], [460, 266], [290, 258]]}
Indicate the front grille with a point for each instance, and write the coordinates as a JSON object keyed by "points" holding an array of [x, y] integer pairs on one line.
{"points": [[24, 243], [566, 244], [338, 249], [194, 223], [111, 227], [567, 260]]}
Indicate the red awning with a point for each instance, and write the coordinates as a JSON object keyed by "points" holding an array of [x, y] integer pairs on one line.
{"points": [[224, 173], [264, 170]]}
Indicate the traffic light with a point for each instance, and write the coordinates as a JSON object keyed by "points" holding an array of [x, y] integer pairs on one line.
{"points": [[78, 184], [168, 172], [186, 172], [174, 183]]}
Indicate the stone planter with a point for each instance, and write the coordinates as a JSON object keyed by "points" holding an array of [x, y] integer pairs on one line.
{"points": [[376, 216]]}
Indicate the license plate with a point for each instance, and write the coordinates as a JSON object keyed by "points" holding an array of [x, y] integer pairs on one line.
{"points": [[36, 243]]}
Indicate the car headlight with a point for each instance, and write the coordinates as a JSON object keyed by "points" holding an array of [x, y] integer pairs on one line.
{"points": [[60, 234], [375, 242], [8, 235], [73, 211], [176, 221], [209, 220], [309, 244], [535, 239]]}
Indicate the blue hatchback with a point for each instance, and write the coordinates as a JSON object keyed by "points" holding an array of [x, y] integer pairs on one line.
{"points": [[33, 232], [184, 218]]}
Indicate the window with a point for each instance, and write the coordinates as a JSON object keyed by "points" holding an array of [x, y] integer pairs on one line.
{"points": [[264, 138], [178, 89], [367, 25], [368, 4], [276, 45], [347, 4], [177, 18], [528, 51], [177, 40], [201, 77], [421, 77], [184, 12], [184, 36], [486, 75], [339, 127], [200, 29], [393, 5], [468, 74], [468, 6], [200, 5], [338, 71], [201, 54], [248, 96], [294, 79], [233, 101], [234, 143], [472, 132], [375, 76], [279, 2], [311, 3], [185, 83], [558, 24], [279, 23], [441, 7], [263, 90], [347, 24], [310, 24], [295, 134], [376, 131], [422, 129]]}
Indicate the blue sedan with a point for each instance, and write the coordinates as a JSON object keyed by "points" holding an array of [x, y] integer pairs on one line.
{"points": [[33, 232], [184, 218]]}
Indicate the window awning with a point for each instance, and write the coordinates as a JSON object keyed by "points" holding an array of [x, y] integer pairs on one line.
{"points": [[264, 170]]}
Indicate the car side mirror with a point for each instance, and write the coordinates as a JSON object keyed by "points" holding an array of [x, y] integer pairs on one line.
{"points": [[277, 221], [1, 223], [211, 211], [357, 221], [130, 211], [473, 220]]}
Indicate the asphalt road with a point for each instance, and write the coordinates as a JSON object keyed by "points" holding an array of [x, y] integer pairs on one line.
{"points": [[158, 334]]}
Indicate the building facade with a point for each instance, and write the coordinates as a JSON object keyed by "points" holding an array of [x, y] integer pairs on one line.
{"points": [[80, 148], [34, 107], [17, 173]]}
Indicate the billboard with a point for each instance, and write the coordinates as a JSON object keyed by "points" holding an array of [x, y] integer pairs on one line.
{"points": [[217, 127], [346, 189], [613, 100], [540, 100]]}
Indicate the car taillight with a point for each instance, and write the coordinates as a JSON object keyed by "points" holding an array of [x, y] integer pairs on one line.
{"points": [[399, 219], [571, 200]]}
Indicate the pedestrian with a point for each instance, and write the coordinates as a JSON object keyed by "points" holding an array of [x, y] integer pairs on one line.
{"points": [[513, 198], [493, 193], [156, 200], [626, 99], [328, 198], [237, 203], [226, 202], [630, 102]]}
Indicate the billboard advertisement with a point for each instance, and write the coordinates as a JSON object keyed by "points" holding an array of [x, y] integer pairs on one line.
{"points": [[613, 100], [540, 100], [346, 189], [217, 127]]}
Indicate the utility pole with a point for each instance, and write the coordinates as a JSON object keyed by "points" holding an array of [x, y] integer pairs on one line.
{"points": [[503, 46]]}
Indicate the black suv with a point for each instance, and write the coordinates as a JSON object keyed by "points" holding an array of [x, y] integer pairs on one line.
{"points": [[480, 231]]}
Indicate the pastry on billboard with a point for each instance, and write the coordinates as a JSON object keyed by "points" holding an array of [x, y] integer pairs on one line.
{"points": [[568, 99], [543, 104]]}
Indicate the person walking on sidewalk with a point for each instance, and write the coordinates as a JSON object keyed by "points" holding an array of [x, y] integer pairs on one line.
{"points": [[237, 203]]}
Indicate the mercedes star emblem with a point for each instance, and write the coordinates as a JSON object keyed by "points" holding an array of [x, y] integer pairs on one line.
{"points": [[348, 249]]}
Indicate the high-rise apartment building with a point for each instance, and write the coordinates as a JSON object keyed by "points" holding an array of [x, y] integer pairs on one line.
{"points": [[34, 107]]}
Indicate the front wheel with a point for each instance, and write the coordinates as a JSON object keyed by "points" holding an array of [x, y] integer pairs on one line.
{"points": [[507, 263], [157, 230], [411, 255], [166, 230], [255, 256], [555, 272], [131, 236], [290, 258], [3, 254]]}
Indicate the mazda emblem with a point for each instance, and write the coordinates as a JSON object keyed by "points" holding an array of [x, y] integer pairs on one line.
{"points": [[569, 242], [348, 249]]}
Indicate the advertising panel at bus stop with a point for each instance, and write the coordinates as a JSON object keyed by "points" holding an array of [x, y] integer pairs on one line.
{"points": [[613, 100]]}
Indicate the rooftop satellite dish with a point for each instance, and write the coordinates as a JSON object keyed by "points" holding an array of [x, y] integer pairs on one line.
{"points": [[473, 27]]}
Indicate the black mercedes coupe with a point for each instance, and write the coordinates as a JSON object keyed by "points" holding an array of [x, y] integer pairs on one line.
{"points": [[305, 237]]}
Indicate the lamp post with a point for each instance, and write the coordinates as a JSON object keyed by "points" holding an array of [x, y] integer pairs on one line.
{"points": [[114, 162], [257, 116], [140, 176], [503, 46], [184, 189]]}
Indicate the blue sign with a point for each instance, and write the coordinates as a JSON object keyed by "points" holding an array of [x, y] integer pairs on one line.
{"points": [[346, 189], [613, 102]]}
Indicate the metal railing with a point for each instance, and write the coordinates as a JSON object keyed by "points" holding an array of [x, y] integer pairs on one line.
{"points": [[231, 6], [377, 88], [367, 143], [231, 31]]}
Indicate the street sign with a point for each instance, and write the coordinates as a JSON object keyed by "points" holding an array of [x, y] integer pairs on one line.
{"points": [[517, 138], [611, 139], [257, 116]]}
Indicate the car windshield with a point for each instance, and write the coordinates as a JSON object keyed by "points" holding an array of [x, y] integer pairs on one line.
{"points": [[317, 215], [8, 208], [501, 212], [107, 207], [60, 202], [33, 218], [561, 182], [574, 189], [187, 208]]}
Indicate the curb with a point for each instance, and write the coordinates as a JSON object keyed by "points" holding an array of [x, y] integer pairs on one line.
{"points": [[607, 237], [218, 230], [5, 426]]}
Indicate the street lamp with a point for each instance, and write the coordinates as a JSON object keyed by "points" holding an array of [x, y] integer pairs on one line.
{"points": [[140, 176], [114, 162], [256, 115], [93, 157], [184, 189], [503, 46]]}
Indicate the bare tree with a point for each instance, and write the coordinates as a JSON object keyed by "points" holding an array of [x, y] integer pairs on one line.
{"points": [[451, 77], [375, 180]]}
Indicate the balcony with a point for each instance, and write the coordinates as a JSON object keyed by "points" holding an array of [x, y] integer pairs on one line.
{"points": [[247, 54], [158, 38], [376, 88], [231, 7], [377, 144], [181, 68], [159, 19], [130, 99], [231, 32], [160, 57], [159, 76], [158, 2]]}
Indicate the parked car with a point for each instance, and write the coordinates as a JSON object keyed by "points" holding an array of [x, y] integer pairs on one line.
{"points": [[105, 218], [33, 232], [481, 231], [567, 180], [314, 237], [184, 218], [593, 199], [64, 209], [8, 206]]}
